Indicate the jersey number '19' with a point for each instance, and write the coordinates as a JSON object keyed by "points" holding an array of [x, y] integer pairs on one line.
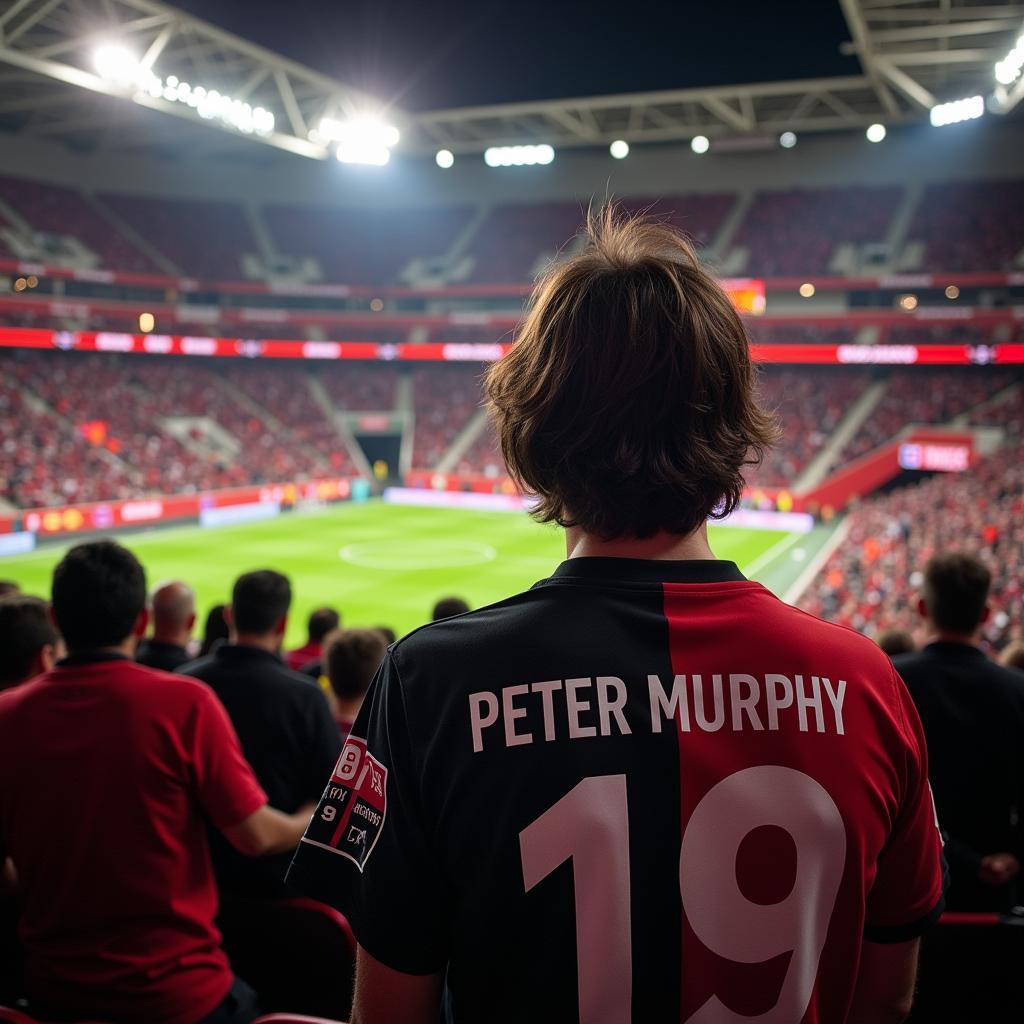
{"points": [[590, 825]]}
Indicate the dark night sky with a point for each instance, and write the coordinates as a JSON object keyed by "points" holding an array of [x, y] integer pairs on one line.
{"points": [[423, 54]]}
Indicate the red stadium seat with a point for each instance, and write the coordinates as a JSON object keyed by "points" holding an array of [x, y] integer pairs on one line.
{"points": [[9, 1016], [298, 954]]}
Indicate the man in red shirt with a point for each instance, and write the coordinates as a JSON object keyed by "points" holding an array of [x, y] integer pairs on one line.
{"points": [[108, 773], [645, 789], [321, 622]]}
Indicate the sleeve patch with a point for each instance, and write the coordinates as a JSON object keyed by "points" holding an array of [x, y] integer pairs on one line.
{"points": [[350, 817]]}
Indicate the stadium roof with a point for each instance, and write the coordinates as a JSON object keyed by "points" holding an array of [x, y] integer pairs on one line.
{"points": [[912, 54]]}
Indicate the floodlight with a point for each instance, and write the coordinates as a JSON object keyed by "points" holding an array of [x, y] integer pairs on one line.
{"points": [[445, 158], [116, 63], [619, 149], [1008, 70], [787, 140], [806, 290], [952, 291], [875, 132], [146, 322], [956, 111], [700, 144], [518, 156]]}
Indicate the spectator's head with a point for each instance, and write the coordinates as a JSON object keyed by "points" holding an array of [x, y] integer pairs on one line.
{"points": [[215, 629], [627, 404], [258, 613], [1013, 656], [28, 641], [955, 593], [9, 587], [895, 641], [174, 613], [321, 622], [350, 659], [99, 597], [447, 607], [390, 636]]}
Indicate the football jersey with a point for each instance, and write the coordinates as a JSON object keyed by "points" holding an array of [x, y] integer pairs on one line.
{"points": [[640, 791]]}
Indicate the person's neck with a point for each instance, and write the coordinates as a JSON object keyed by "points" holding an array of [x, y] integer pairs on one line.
{"points": [[126, 648], [663, 546], [173, 639], [940, 636], [270, 642]]}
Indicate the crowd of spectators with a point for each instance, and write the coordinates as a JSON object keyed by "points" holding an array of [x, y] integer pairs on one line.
{"points": [[870, 580], [182, 832]]}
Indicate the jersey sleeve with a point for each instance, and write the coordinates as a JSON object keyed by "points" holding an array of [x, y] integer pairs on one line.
{"points": [[907, 896], [227, 787], [367, 850]]}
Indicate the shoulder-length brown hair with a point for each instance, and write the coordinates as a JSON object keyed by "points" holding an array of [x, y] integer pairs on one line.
{"points": [[628, 403]]}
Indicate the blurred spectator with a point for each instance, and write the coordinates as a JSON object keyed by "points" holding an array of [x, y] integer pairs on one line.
{"points": [[28, 641], [215, 630], [119, 902], [321, 622], [1013, 656], [973, 716], [174, 616], [351, 658], [390, 636], [9, 587], [896, 641], [447, 607], [282, 718]]}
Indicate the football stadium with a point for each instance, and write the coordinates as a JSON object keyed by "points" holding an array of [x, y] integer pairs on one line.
{"points": [[512, 515]]}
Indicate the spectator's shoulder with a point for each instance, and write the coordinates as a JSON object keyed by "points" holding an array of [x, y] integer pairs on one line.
{"points": [[195, 668]]}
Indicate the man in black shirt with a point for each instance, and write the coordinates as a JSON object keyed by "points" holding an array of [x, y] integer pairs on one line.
{"points": [[282, 718], [174, 615], [973, 715]]}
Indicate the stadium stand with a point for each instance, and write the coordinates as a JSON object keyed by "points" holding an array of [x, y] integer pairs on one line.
{"points": [[360, 388], [360, 246], [201, 238], [870, 581], [798, 231], [444, 398], [66, 212], [971, 226]]}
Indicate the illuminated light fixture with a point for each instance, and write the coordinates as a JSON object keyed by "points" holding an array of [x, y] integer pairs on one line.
{"points": [[361, 141], [146, 322], [32, 281], [967, 109], [518, 156], [117, 64], [377, 305], [700, 144], [20, 284], [875, 132], [806, 290], [908, 302], [787, 140], [445, 158], [1008, 70], [952, 292], [619, 149]]}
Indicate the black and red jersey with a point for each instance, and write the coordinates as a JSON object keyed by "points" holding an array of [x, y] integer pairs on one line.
{"points": [[642, 790]]}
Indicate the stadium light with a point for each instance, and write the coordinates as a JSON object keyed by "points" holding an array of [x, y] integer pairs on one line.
{"points": [[787, 140], [146, 322], [806, 290], [1008, 70], [619, 149], [908, 302], [967, 109], [117, 64], [518, 156], [952, 292], [700, 144], [445, 158], [366, 140], [875, 132]]}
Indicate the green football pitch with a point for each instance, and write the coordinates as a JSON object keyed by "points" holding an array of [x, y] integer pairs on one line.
{"points": [[386, 565]]}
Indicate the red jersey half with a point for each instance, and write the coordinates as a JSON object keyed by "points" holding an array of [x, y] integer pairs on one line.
{"points": [[640, 791]]}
